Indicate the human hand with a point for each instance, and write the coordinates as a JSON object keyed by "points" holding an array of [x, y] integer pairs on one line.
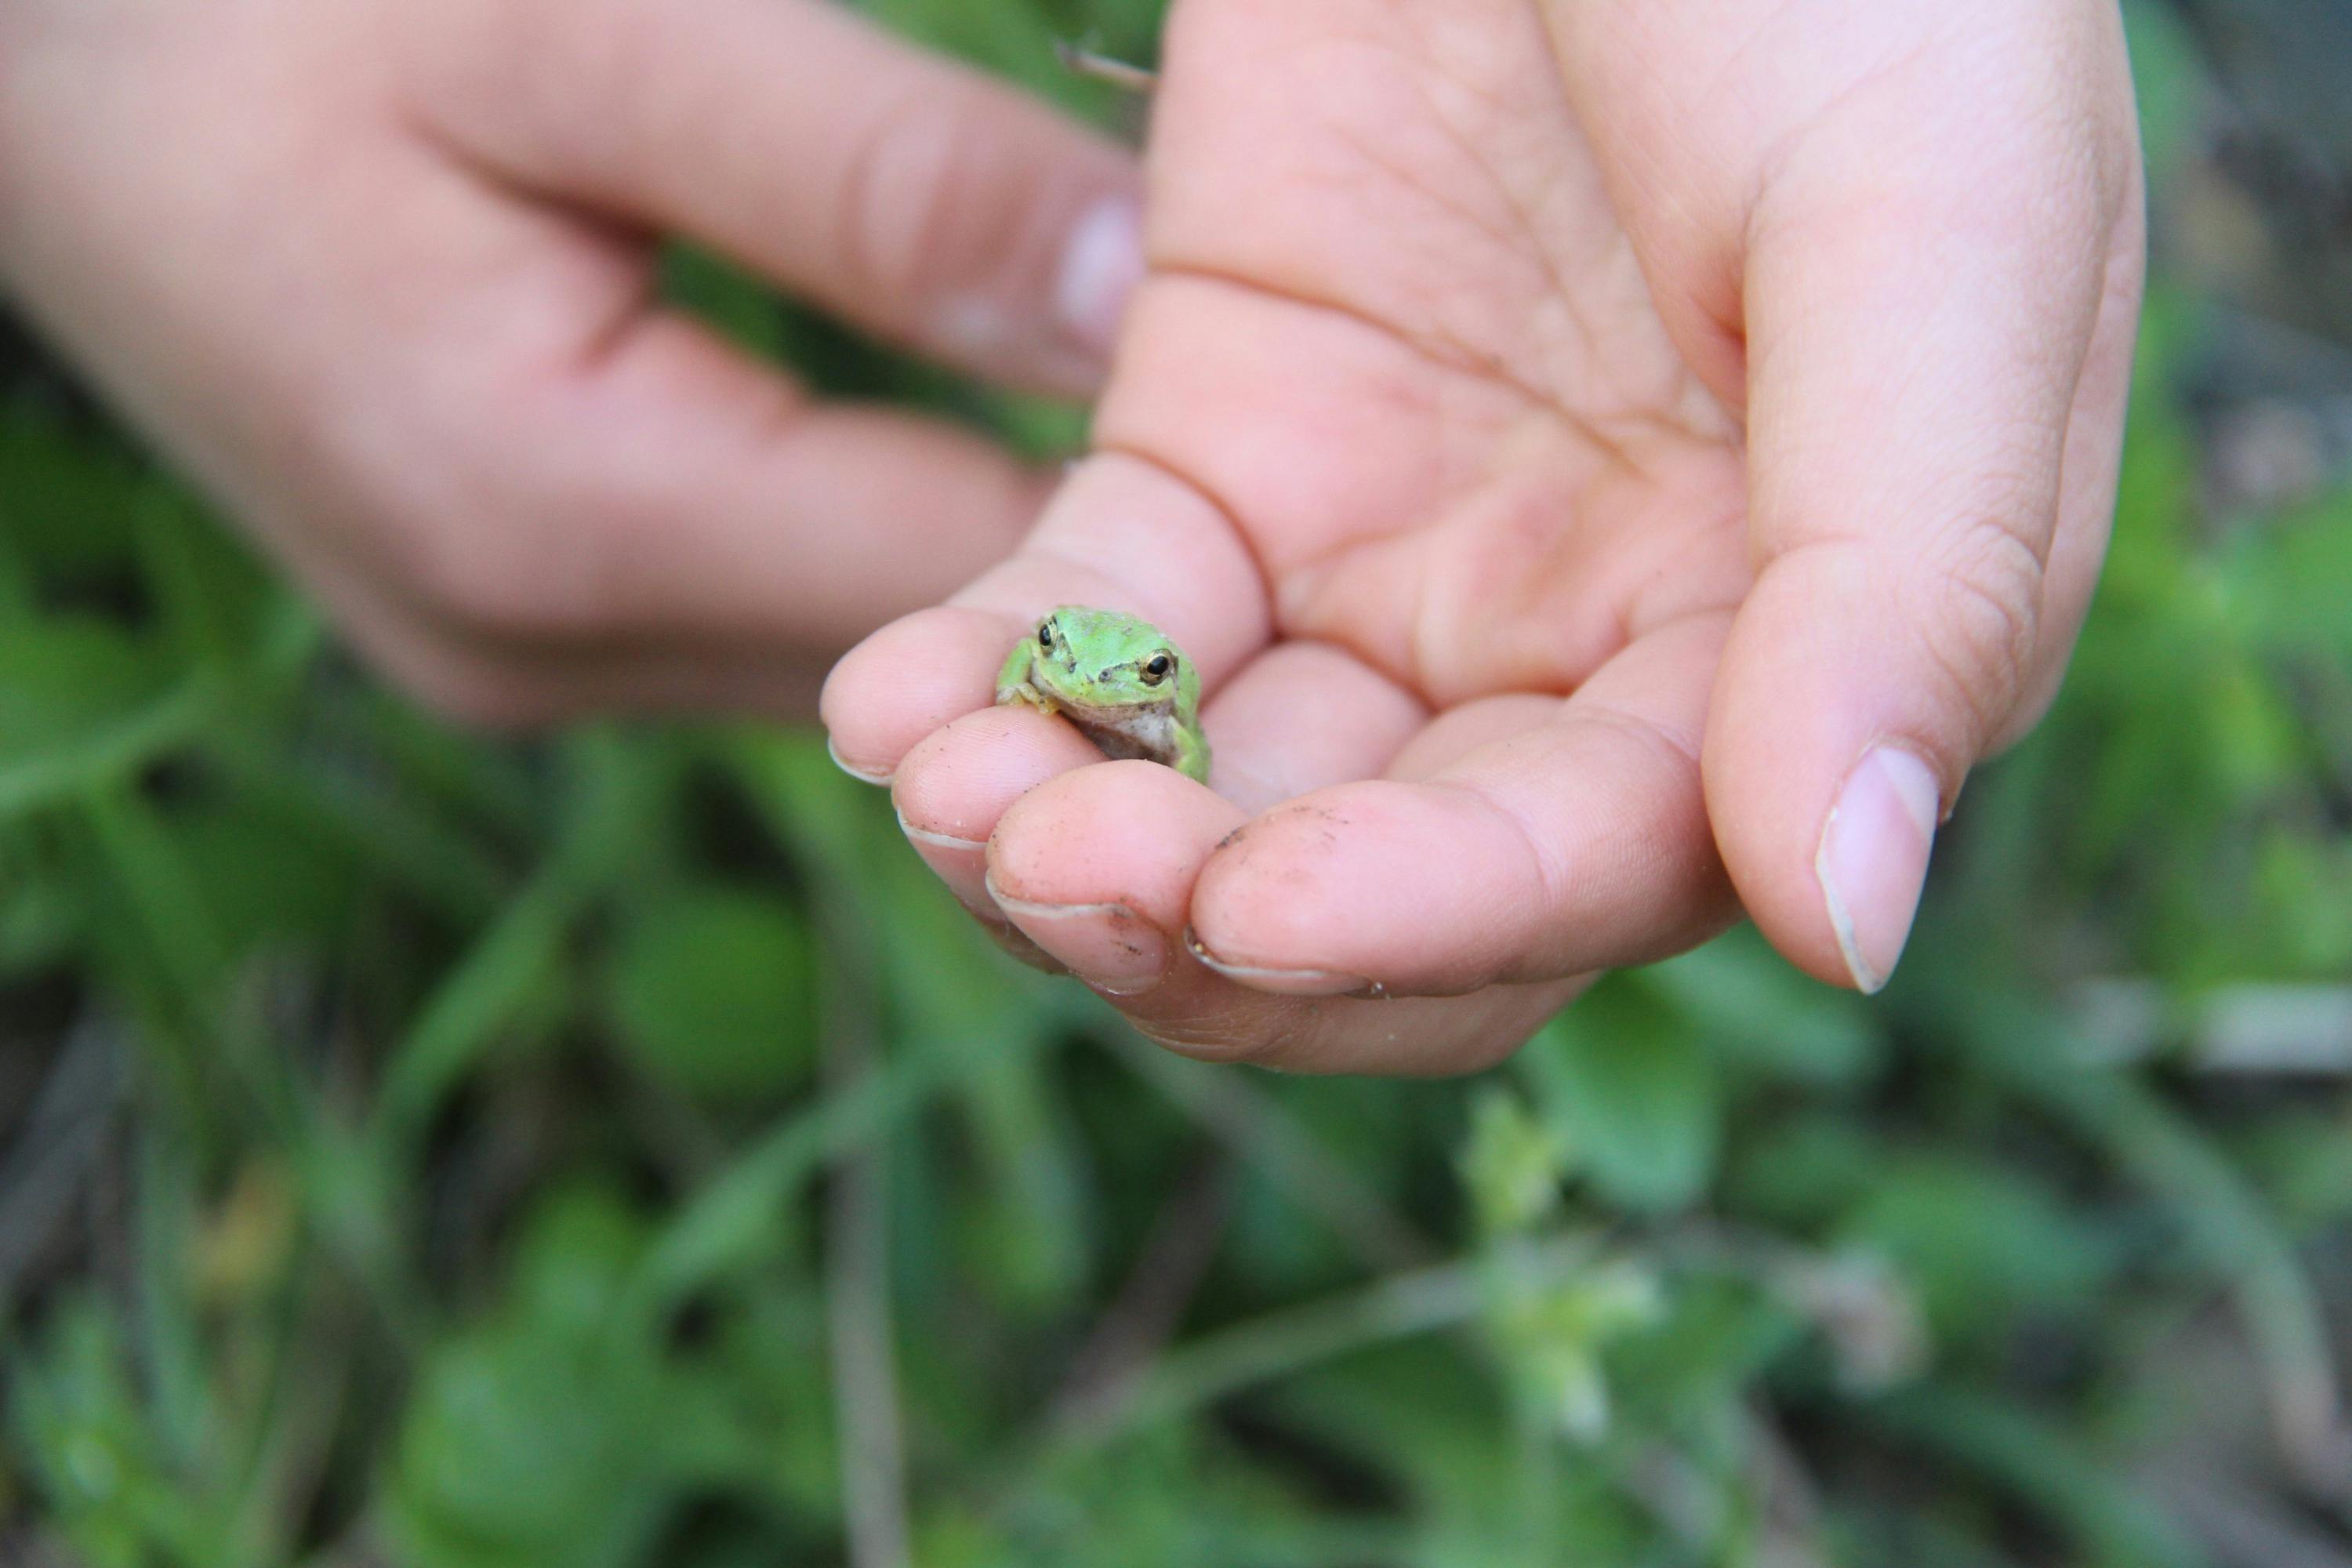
{"points": [[379, 274], [1613, 463]]}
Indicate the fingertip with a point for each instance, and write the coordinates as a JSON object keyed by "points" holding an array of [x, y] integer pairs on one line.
{"points": [[1826, 762], [880, 779], [1872, 862], [1053, 332], [908, 680], [1101, 265], [953, 786], [1130, 832], [960, 780], [1341, 892], [1097, 865]]}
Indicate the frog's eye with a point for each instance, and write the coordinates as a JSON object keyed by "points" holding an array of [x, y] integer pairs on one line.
{"points": [[1046, 635], [1159, 667]]}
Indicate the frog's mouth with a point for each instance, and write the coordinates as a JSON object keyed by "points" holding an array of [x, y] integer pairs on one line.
{"points": [[1128, 729]]}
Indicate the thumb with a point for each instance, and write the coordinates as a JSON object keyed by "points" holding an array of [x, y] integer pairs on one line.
{"points": [[922, 201], [1937, 361]]}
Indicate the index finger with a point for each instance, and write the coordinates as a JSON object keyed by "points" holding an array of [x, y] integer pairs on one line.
{"points": [[1123, 533], [933, 204]]}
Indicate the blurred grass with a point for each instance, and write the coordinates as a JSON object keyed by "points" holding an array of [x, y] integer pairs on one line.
{"points": [[453, 1153]]}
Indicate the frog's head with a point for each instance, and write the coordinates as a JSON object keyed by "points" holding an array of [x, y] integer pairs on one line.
{"points": [[1101, 659]]}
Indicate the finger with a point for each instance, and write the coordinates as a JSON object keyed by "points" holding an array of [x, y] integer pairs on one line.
{"points": [[955, 786], [533, 476], [673, 496], [1458, 732], [671, 491], [529, 469], [1576, 843], [498, 685], [1299, 718], [453, 411], [929, 204], [605, 476], [1154, 523], [1099, 867], [1096, 868], [1932, 442], [1122, 533], [1302, 716], [2091, 469]]}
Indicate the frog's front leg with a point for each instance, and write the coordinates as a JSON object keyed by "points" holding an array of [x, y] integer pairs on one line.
{"points": [[1191, 757], [1013, 681]]}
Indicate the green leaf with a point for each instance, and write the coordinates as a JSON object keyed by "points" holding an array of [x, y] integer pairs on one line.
{"points": [[67, 504], [725, 298], [1634, 1095], [2171, 82], [2110, 1521], [210, 593], [1802, 1171], [574, 1256], [2288, 587], [74, 1409], [516, 966], [1979, 1241], [1513, 1164], [712, 993], [1755, 1008], [521, 1449], [560, 1429], [266, 875], [65, 678]]}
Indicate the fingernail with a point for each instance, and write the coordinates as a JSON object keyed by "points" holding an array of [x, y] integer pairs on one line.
{"points": [[933, 840], [1873, 861], [1108, 946], [1101, 265], [961, 864], [861, 775], [1284, 981]]}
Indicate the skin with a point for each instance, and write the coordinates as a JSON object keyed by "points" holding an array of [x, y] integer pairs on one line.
{"points": [[1119, 679], [1564, 436], [1570, 438], [380, 275]]}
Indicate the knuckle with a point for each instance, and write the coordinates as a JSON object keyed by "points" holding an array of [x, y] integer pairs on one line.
{"points": [[509, 75], [1980, 617], [507, 548], [494, 576]]}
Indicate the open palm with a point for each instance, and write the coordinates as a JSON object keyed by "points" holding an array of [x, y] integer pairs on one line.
{"points": [[1612, 463]]}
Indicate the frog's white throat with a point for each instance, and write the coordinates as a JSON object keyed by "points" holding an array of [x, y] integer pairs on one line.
{"points": [[1147, 731]]}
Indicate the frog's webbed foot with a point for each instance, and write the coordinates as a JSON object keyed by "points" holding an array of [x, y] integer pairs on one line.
{"points": [[1191, 757], [1012, 684], [1022, 694]]}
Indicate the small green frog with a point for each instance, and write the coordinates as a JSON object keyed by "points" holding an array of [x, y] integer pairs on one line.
{"points": [[1117, 678]]}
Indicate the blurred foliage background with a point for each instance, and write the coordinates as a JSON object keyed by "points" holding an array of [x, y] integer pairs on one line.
{"points": [[611, 1150]]}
